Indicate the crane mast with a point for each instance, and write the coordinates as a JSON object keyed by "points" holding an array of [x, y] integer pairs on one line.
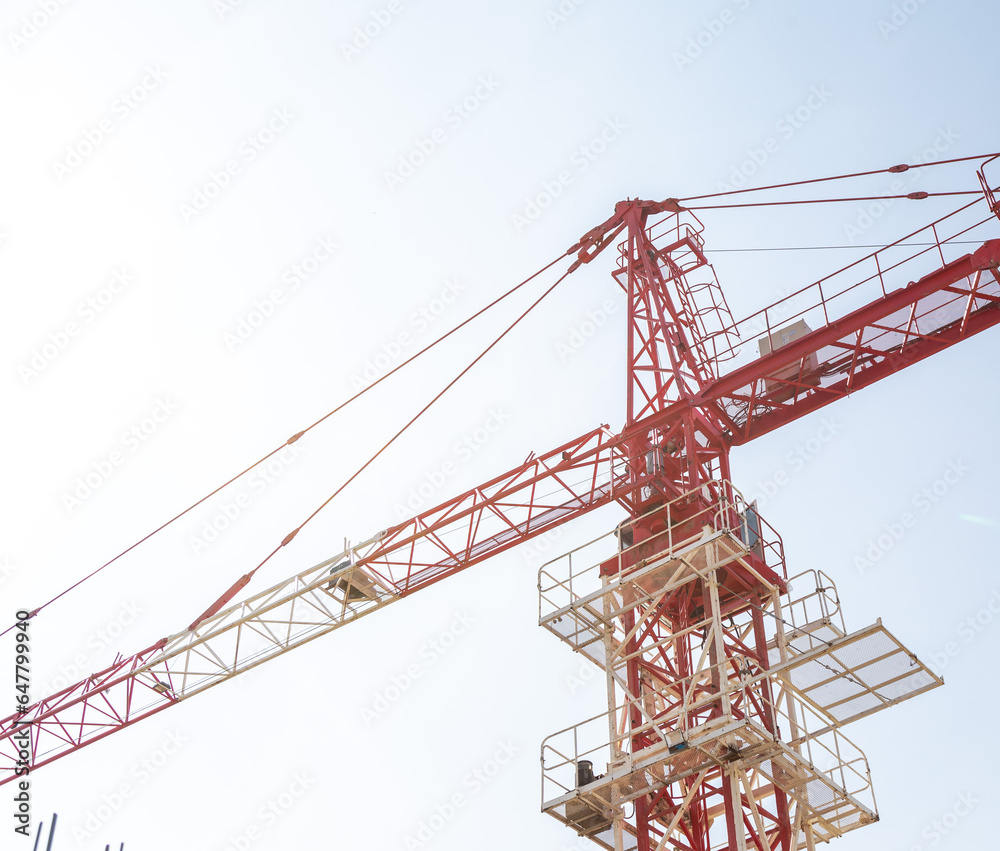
{"points": [[728, 684], [726, 695]]}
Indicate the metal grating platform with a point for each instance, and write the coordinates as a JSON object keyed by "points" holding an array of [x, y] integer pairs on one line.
{"points": [[851, 676], [587, 614], [828, 807], [589, 819], [671, 732]]}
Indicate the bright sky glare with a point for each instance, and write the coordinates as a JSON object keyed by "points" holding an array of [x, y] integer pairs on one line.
{"points": [[222, 218]]}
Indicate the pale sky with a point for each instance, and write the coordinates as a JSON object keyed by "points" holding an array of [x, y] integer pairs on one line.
{"points": [[221, 218]]}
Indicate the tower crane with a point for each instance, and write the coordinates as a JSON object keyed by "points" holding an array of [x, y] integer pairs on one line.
{"points": [[728, 681]]}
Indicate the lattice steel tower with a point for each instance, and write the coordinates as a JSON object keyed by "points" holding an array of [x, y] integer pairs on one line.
{"points": [[727, 684]]}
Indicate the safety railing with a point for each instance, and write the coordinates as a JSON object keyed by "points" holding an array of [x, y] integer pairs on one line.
{"points": [[667, 716], [811, 617], [988, 189], [638, 749], [872, 277], [584, 571], [701, 302], [672, 229]]}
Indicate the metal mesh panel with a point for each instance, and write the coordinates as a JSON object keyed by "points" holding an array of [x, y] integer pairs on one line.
{"points": [[889, 337], [829, 807], [585, 817], [589, 814], [859, 674], [636, 784], [606, 839]]}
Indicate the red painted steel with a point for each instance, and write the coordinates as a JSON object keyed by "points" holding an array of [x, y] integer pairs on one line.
{"points": [[534, 497], [684, 414]]}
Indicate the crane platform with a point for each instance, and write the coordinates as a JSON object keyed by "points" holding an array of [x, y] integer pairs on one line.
{"points": [[809, 679]]}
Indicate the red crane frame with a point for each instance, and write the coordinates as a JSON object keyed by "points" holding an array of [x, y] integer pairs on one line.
{"points": [[666, 468]]}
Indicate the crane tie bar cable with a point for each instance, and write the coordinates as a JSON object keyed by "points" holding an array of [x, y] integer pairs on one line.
{"points": [[237, 586], [33, 612], [913, 196], [896, 169]]}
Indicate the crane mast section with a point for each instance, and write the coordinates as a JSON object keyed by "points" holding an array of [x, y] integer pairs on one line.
{"points": [[538, 495]]}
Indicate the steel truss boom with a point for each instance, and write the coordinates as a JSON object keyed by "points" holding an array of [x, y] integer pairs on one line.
{"points": [[538, 495], [899, 328], [690, 406]]}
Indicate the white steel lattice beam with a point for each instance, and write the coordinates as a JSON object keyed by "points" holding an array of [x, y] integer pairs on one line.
{"points": [[539, 494]]}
